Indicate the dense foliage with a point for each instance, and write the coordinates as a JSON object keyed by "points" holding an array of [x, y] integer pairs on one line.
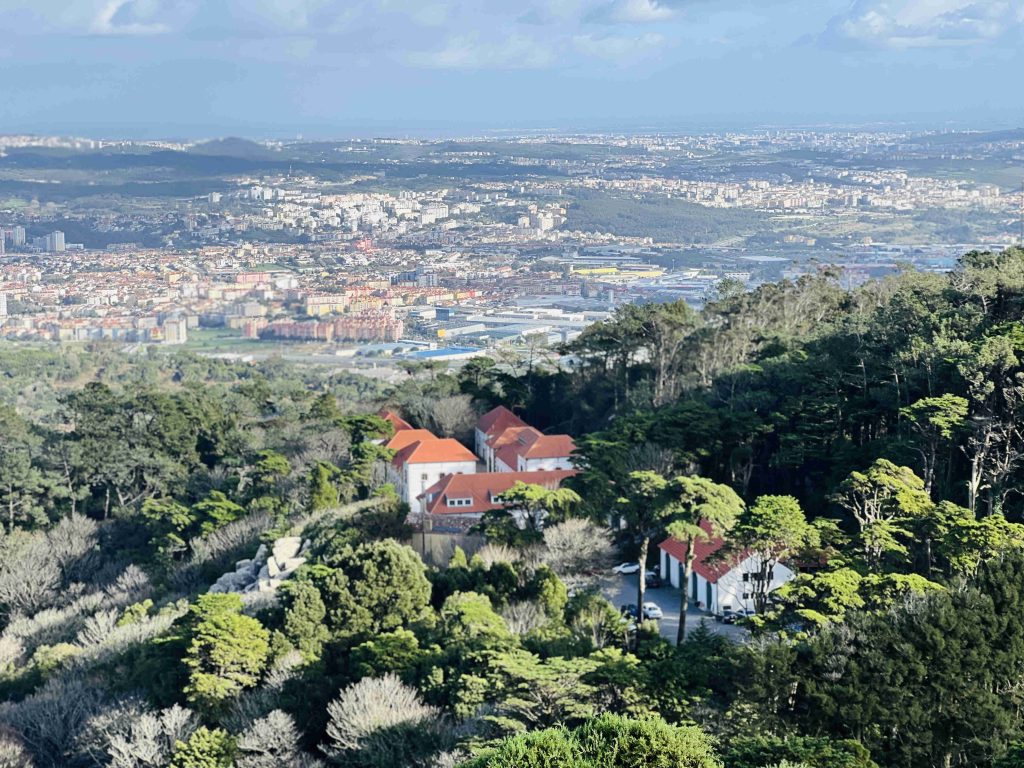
{"points": [[869, 439]]}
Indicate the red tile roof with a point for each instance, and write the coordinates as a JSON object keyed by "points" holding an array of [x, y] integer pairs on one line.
{"points": [[550, 447], [481, 487], [396, 421], [509, 436], [406, 437], [436, 451], [703, 550], [530, 444], [498, 420]]}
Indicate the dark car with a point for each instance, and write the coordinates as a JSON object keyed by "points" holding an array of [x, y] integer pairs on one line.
{"points": [[731, 617], [630, 610], [652, 580]]}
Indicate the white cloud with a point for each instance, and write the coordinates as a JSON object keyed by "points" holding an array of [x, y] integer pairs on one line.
{"points": [[477, 34], [638, 12], [926, 23], [619, 47], [129, 17], [470, 52]]}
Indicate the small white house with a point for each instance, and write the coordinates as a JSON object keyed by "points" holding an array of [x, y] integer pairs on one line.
{"points": [[717, 585], [420, 464]]}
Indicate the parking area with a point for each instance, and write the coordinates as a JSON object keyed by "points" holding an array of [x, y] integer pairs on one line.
{"points": [[622, 591]]}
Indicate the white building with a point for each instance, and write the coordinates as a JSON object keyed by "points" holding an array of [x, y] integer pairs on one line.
{"points": [[717, 585], [422, 463], [54, 242], [506, 444], [489, 426], [524, 449]]}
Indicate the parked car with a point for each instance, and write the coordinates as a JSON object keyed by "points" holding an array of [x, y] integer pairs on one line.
{"points": [[731, 617], [626, 568], [629, 610], [652, 611], [652, 580]]}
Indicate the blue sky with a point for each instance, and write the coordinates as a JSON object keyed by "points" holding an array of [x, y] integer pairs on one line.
{"points": [[336, 67]]}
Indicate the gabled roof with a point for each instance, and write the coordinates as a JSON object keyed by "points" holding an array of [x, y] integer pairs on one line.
{"points": [[703, 551], [396, 421], [498, 420], [406, 437], [550, 447], [530, 444], [509, 436], [481, 488], [435, 451]]}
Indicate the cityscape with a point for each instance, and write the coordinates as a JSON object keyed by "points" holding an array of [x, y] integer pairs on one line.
{"points": [[547, 384], [440, 250]]}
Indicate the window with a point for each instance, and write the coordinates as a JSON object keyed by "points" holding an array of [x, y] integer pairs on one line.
{"points": [[460, 502], [746, 595], [746, 577]]}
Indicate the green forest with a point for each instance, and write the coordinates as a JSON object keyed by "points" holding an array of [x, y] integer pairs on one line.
{"points": [[872, 439]]}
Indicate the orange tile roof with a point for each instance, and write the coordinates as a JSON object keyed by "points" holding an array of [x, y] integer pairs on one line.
{"points": [[497, 420], [530, 444], [508, 436], [435, 451], [396, 421], [550, 447], [405, 437], [482, 487]]}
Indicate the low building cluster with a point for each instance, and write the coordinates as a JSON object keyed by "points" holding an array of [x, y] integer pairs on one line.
{"points": [[448, 486]]}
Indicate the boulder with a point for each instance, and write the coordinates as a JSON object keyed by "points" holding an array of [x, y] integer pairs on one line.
{"points": [[286, 548], [272, 567]]}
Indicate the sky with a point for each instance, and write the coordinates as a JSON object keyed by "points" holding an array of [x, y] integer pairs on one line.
{"points": [[331, 68]]}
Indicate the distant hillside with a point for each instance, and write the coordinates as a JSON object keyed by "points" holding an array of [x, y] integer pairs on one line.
{"points": [[234, 147]]}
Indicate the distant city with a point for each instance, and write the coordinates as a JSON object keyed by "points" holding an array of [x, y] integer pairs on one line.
{"points": [[364, 252]]}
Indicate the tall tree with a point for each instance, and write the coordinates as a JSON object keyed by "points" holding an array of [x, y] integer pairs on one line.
{"points": [[773, 529], [882, 499], [699, 510], [935, 421], [645, 510]]}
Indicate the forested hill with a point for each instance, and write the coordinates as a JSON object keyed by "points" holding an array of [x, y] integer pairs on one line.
{"points": [[871, 440], [787, 388]]}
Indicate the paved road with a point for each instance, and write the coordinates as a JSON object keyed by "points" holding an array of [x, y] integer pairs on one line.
{"points": [[622, 591]]}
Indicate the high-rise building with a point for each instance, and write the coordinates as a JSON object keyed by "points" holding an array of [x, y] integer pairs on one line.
{"points": [[3, 304], [55, 242], [18, 237], [175, 331]]}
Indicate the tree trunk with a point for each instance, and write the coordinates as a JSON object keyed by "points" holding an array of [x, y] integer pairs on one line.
{"points": [[642, 585], [684, 604]]}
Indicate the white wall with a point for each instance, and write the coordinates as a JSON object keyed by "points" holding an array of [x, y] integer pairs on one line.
{"points": [[728, 592], [419, 477], [539, 465], [732, 587], [482, 449]]}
